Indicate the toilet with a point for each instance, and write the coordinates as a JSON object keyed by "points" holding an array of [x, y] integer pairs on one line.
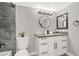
{"points": [[21, 46]]}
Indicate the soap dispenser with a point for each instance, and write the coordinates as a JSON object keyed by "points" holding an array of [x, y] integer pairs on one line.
{"points": [[47, 31]]}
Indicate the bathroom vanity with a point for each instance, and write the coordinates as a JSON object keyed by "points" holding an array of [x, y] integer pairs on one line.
{"points": [[51, 44]]}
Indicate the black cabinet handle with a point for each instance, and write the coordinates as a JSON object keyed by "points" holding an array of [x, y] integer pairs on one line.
{"points": [[44, 53], [44, 44], [64, 47], [63, 40]]}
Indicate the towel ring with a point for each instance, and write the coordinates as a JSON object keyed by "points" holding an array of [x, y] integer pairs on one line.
{"points": [[76, 23]]}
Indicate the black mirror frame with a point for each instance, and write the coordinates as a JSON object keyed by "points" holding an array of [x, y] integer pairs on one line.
{"points": [[66, 20]]}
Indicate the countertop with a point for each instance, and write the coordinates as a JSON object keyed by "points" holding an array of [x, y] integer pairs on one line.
{"points": [[51, 35]]}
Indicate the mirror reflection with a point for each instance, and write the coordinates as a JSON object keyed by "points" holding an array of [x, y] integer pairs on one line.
{"points": [[44, 22]]}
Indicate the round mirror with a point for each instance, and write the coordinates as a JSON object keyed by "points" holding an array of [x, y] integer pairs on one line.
{"points": [[44, 22]]}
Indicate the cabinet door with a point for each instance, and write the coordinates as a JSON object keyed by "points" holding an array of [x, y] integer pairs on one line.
{"points": [[51, 46], [60, 45], [57, 46]]}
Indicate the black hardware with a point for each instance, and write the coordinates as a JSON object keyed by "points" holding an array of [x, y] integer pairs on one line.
{"points": [[44, 44], [44, 53]]}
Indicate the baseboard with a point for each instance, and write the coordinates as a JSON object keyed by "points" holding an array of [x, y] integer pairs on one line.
{"points": [[34, 53], [70, 54]]}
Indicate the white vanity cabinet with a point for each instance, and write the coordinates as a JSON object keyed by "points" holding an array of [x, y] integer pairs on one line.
{"points": [[51, 45]]}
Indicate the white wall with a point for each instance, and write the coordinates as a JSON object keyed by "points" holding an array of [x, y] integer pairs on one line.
{"points": [[73, 31], [27, 21], [54, 6]]}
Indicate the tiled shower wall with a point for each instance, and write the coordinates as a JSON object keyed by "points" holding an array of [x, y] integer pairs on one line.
{"points": [[7, 27]]}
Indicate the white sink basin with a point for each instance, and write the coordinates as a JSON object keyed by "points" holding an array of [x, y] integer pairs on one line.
{"points": [[6, 53]]}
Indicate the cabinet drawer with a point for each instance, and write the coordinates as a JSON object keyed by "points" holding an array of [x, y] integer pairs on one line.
{"points": [[64, 36], [41, 41], [43, 48], [61, 37], [64, 40], [64, 44], [44, 38], [44, 43], [64, 47]]}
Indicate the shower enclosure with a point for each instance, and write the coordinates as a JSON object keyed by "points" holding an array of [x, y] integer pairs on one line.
{"points": [[7, 27]]}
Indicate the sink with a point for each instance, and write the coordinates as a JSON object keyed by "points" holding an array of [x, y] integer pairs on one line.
{"points": [[6, 53]]}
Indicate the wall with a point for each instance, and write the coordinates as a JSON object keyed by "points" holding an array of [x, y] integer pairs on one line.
{"points": [[55, 6], [27, 21], [73, 31]]}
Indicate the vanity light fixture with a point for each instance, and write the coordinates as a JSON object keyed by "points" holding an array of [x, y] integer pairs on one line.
{"points": [[45, 13]]}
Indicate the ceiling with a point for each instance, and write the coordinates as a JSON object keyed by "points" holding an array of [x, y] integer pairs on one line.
{"points": [[54, 6]]}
